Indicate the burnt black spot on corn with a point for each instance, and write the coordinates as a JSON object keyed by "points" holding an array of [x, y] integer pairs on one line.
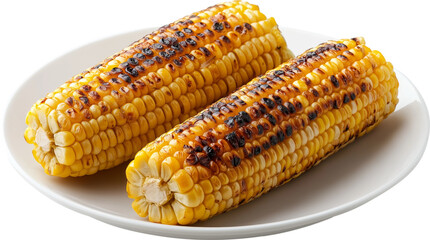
{"points": [[294, 124]]}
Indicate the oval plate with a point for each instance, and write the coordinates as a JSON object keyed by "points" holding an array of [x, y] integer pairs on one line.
{"points": [[348, 179]]}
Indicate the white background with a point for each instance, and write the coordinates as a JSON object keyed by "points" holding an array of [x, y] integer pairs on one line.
{"points": [[33, 33]]}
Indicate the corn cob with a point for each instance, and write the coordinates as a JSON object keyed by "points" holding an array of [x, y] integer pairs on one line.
{"points": [[264, 134], [103, 116]]}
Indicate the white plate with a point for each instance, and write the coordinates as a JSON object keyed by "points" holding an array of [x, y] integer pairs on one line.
{"points": [[348, 179]]}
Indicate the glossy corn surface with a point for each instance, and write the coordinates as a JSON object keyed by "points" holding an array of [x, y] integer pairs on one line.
{"points": [[105, 115], [264, 134]]}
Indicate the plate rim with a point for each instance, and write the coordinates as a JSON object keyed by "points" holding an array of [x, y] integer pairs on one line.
{"points": [[210, 232]]}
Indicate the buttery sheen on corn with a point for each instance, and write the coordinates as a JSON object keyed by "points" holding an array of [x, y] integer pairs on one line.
{"points": [[264, 134], [105, 115]]}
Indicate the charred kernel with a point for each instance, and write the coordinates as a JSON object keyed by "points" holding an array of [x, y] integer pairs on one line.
{"points": [[271, 118], [198, 148], [279, 72], [210, 152], [94, 95], [268, 102], [227, 25], [147, 52], [219, 104], [257, 150], [139, 56], [298, 105], [239, 121], [260, 129], [148, 62], [277, 99], [86, 88], [133, 86], [192, 159], [218, 26], [124, 65], [182, 23], [165, 41], [346, 98], [334, 80], [172, 40], [235, 161], [311, 55], [341, 46], [232, 139], [263, 79], [84, 100], [240, 102], [157, 46], [125, 77], [201, 35], [104, 84], [283, 109], [342, 58], [238, 28], [205, 51], [177, 47], [116, 70], [132, 61], [165, 55], [266, 126], [79, 92], [225, 39], [183, 44], [225, 110], [202, 140], [281, 136], [171, 52], [314, 92], [244, 116], [265, 86], [363, 87], [253, 93], [248, 133], [273, 140], [247, 153], [261, 108], [241, 141], [191, 42], [130, 71], [115, 81], [214, 109], [187, 30], [179, 34], [266, 145], [289, 130], [177, 62], [203, 159], [345, 78], [208, 33], [336, 103], [158, 59], [247, 26], [232, 106], [352, 95], [208, 115], [312, 115], [69, 101], [139, 68]]}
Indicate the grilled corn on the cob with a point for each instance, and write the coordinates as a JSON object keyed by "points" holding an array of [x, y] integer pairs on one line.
{"points": [[264, 134], [103, 116]]}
